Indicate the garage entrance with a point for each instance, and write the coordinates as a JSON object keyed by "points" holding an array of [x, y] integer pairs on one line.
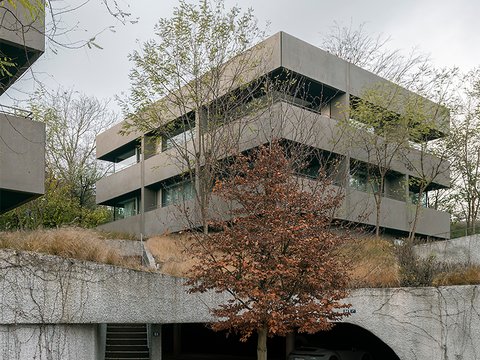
{"points": [[198, 341]]}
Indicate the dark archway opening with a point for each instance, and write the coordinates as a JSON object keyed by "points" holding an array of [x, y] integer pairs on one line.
{"points": [[198, 341], [344, 336]]}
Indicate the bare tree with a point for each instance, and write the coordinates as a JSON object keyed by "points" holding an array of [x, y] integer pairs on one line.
{"points": [[190, 80], [464, 146], [72, 121], [373, 53], [27, 19]]}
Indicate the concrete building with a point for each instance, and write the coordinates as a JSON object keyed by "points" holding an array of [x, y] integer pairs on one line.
{"points": [[147, 185], [22, 141]]}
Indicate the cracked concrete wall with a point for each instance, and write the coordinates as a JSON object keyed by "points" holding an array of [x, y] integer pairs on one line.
{"points": [[417, 323]]}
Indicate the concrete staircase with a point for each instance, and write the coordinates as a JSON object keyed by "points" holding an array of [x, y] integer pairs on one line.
{"points": [[127, 341]]}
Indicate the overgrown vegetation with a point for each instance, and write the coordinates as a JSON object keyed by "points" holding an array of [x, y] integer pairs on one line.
{"points": [[374, 263], [80, 244]]}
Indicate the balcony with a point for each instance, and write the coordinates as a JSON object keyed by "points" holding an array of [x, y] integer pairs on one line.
{"points": [[22, 40], [22, 158]]}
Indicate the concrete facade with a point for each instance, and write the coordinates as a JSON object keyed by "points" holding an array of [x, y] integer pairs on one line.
{"points": [[56, 304], [143, 182], [22, 141]]}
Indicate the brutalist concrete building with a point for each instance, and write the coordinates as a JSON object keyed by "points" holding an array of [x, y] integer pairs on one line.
{"points": [[147, 183], [22, 141]]}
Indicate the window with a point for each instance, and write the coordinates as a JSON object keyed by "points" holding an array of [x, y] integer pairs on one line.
{"points": [[323, 163], [364, 179], [177, 193], [126, 209], [415, 198], [178, 139], [179, 132], [127, 159]]}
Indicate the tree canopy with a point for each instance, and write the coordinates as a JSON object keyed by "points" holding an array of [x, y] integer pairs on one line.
{"points": [[275, 253]]}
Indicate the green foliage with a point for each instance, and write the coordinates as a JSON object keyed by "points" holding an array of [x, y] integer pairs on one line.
{"points": [[56, 208], [460, 228], [34, 8], [5, 64]]}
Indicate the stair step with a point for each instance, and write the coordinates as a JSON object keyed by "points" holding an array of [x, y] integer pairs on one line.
{"points": [[121, 358], [127, 355], [130, 341], [126, 335], [126, 342], [126, 347], [127, 329]]}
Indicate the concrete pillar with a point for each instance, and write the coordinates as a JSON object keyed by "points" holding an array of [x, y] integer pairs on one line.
{"points": [[156, 342], [150, 199], [177, 339], [101, 341], [289, 344], [142, 188], [340, 106]]}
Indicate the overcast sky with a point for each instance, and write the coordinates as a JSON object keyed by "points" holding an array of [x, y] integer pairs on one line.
{"points": [[447, 30]]}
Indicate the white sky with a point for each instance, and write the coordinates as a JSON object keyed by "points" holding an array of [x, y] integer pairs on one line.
{"points": [[447, 30]]}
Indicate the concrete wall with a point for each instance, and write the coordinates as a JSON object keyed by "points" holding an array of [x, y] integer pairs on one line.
{"points": [[22, 160], [49, 342], [70, 296], [464, 250]]}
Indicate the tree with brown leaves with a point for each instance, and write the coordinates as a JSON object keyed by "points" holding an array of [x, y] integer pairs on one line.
{"points": [[276, 253]]}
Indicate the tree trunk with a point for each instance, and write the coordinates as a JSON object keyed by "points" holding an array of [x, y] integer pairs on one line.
{"points": [[378, 209], [262, 344], [413, 227]]}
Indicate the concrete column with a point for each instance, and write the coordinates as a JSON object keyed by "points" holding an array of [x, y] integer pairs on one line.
{"points": [[142, 188], [101, 341], [156, 342], [177, 339], [150, 199], [340, 106], [289, 344]]}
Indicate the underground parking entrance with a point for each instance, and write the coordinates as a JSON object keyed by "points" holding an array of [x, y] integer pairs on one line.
{"points": [[198, 341]]}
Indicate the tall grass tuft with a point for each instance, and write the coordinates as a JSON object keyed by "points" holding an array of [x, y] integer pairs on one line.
{"points": [[74, 243]]}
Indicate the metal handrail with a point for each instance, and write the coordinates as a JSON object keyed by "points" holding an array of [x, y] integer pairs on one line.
{"points": [[11, 110]]}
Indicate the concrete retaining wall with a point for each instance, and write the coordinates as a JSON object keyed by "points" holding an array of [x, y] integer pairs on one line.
{"points": [[464, 250], [417, 323]]}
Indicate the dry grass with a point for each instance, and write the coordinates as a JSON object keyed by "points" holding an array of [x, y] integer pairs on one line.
{"points": [[373, 263], [467, 275], [115, 235], [72, 243], [171, 253]]}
